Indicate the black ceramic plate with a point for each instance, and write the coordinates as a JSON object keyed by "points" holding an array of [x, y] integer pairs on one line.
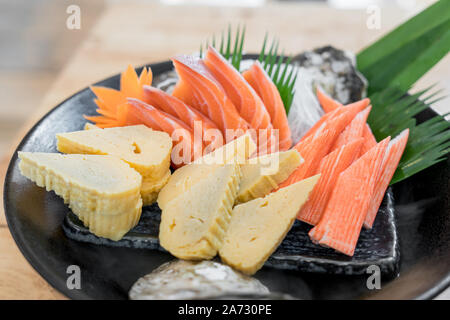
{"points": [[378, 246], [36, 217]]}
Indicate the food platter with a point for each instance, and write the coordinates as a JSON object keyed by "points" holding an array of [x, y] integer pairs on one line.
{"points": [[36, 218]]}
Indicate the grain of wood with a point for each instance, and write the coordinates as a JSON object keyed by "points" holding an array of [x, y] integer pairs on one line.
{"points": [[18, 280]]}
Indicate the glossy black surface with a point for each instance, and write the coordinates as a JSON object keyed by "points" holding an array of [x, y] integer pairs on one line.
{"points": [[35, 218], [378, 246]]}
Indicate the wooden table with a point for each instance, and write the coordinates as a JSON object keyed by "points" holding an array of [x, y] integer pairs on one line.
{"points": [[140, 33]]}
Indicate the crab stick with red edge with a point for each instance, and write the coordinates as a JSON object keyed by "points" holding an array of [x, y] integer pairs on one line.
{"points": [[351, 110], [391, 159], [328, 104], [248, 103], [313, 149], [343, 218], [369, 140], [330, 168], [354, 130], [260, 81], [210, 98]]}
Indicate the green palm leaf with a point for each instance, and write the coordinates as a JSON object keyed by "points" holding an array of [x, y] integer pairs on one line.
{"points": [[428, 143], [226, 49], [392, 65], [279, 68], [407, 32]]}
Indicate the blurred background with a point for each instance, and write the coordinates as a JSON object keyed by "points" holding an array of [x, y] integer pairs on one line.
{"points": [[42, 61], [37, 45]]}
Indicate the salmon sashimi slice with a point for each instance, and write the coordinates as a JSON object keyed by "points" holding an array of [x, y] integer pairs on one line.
{"points": [[247, 102], [342, 220], [328, 104], [351, 110], [183, 92], [194, 118], [330, 168], [369, 140], [211, 99], [109, 100], [260, 81], [391, 159], [181, 134], [354, 130]]}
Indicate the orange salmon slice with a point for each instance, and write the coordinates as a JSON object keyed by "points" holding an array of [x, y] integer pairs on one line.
{"points": [[211, 99], [260, 81], [342, 220], [330, 168], [139, 112], [248, 103], [391, 159], [194, 118]]}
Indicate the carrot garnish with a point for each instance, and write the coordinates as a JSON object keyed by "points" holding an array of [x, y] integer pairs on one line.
{"points": [[108, 100]]}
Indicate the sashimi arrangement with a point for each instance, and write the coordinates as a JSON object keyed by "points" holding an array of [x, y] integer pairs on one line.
{"points": [[217, 153]]}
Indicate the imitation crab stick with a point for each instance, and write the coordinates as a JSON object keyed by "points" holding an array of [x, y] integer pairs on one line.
{"points": [[159, 120], [211, 99], [354, 130], [328, 104], [247, 102], [330, 168], [313, 149], [109, 100], [369, 140], [342, 220], [177, 108], [351, 110], [391, 159], [260, 81]]}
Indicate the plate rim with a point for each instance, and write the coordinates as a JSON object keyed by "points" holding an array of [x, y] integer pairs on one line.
{"points": [[431, 293]]}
